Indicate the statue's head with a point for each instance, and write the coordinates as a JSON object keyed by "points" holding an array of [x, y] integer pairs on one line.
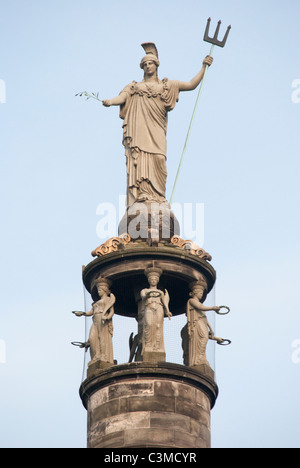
{"points": [[149, 58], [153, 275], [102, 286], [198, 289], [151, 55]]}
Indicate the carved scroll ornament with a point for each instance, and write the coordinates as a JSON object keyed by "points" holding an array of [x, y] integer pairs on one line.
{"points": [[112, 245], [191, 247]]}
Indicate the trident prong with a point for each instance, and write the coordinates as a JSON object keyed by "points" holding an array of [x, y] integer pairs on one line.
{"points": [[214, 40]]}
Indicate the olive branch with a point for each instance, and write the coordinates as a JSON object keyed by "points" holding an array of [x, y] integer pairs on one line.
{"points": [[89, 96]]}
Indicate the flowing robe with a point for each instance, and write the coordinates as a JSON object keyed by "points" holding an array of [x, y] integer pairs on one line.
{"points": [[153, 320], [198, 332], [101, 332], [145, 115]]}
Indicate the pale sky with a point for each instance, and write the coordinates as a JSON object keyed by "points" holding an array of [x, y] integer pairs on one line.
{"points": [[62, 156]]}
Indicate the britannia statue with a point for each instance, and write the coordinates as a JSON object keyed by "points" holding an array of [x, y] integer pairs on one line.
{"points": [[144, 107]]}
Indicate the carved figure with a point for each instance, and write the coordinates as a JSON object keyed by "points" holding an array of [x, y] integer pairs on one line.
{"points": [[155, 304], [198, 330], [133, 346], [101, 333], [144, 107]]}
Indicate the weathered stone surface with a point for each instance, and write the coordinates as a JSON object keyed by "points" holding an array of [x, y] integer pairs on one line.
{"points": [[176, 421], [149, 438], [147, 404], [188, 408], [154, 356], [98, 399], [169, 388], [111, 408], [114, 440], [131, 389], [123, 422], [95, 366], [126, 409], [201, 430]]}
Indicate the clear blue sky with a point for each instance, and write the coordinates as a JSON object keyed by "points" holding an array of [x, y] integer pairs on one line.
{"points": [[61, 157]]}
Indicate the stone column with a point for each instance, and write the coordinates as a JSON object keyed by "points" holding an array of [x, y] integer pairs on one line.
{"points": [[142, 405]]}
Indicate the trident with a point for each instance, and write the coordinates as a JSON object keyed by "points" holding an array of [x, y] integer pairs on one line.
{"points": [[215, 42]]}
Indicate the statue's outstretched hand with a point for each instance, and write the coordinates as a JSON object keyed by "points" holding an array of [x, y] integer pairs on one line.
{"points": [[208, 60], [106, 102], [78, 314]]}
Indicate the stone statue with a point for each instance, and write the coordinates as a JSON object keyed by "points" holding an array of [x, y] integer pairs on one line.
{"points": [[100, 339], [155, 306], [144, 107], [198, 331]]}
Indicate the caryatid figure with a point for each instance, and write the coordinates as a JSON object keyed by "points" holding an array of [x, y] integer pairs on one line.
{"points": [[144, 107], [155, 307], [199, 331], [101, 333]]}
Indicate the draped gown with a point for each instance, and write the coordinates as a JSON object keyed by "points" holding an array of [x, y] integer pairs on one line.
{"points": [[198, 331], [145, 115]]}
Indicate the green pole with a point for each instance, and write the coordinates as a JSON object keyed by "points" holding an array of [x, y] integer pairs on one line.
{"points": [[190, 127]]}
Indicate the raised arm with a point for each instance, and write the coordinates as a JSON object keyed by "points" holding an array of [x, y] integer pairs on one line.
{"points": [[116, 101], [190, 85]]}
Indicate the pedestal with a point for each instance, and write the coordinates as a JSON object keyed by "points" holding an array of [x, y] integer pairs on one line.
{"points": [[142, 405]]}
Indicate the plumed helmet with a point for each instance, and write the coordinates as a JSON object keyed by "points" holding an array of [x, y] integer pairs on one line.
{"points": [[151, 54]]}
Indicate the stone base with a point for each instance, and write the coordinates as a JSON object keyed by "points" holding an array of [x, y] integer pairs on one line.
{"points": [[94, 367], [153, 356], [205, 369], [149, 221], [142, 405]]}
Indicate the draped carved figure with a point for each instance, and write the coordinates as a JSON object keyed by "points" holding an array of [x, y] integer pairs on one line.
{"points": [[101, 332], [144, 107], [198, 330], [145, 114], [155, 306]]}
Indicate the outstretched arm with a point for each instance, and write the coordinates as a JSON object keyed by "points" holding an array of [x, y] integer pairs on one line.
{"points": [[190, 85], [85, 314], [116, 101], [199, 306]]}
